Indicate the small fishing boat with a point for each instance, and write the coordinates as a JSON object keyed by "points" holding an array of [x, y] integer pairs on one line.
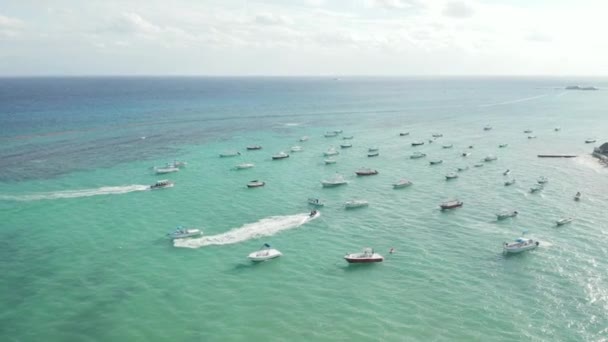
{"points": [[255, 184], [402, 183], [462, 168], [470, 147], [510, 182], [254, 147], [331, 152], [489, 158], [161, 184], [577, 197], [366, 172], [506, 173], [164, 170], [280, 155], [404, 134], [330, 134], [373, 149], [451, 175], [437, 135], [338, 131], [373, 154], [466, 154], [564, 221], [478, 165], [244, 166], [506, 214], [448, 146], [451, 204], [367, 256], [487, 128], [436, 162], [417, 155], [520, 245], [304, 138], [528, 131], [352, 204], [229, 154], [316, 202], [264, 254], [590, 141], [542, 180], [557, 129], [178, 164], [503, 145], [536, 188], [531, 136], [329, 161], [346, 145], [337, 180], [181, 233], [347, 137], [417, 143], [297, 149]]}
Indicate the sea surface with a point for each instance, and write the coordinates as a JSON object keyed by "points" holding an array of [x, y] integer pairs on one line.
{"points": [[84, 254]]}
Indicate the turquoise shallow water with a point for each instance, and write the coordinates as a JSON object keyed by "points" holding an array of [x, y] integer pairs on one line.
{"points": [[84, 255]]}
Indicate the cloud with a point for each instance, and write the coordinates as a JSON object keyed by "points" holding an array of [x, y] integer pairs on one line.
{"points": [[133, 22], [538, 37], [396, 4], [10, 27], [272, 19], [457, 9]]}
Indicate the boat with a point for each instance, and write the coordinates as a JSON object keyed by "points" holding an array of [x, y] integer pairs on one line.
{"points": [[297, 149], [280, 155], [542, 180], [436, 162], [164, 170], [536, 188], [437, 135], [590, 141], [337, 180], [255, 184], [346, 145], [161, 184], [417, 155], [373, 154], [331, 152], [531, 136], [366, 172], [338, 131], [448, 146], [352, 204], [564, 221], [402, 183], [347, 137], [404, 134], [373, 149], [528, 131], [181, 233], [330, 161], [451, 204], [462, 168], [330, 134], [557, 129], [510, 182], [487, 128], [229, 154], [478, 165], [264, 254], [520, 245], [304, 138], [506, 214], [244, 166], [367, 256], [417, 143], [254, 147], [506, 173], [431, 141], [466, 154], [489, 158], [178, 164], [451, 175], [503, 145], [577, 197], [316, 202]]}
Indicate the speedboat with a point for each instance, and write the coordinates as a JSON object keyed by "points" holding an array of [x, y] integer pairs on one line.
{"points": [[542, 180], [528, 131], [229, 154], [506, 172], [161, 184], [331, 152], [297, 149], [367, 256], [590, 141], [366, 172], [337, 180], [164, 170], [448, 146], [330, 161], [503, 145], [506, 214], [531, 136], [373, 149], [404, 134], [466, 154], [451, 204], [462, 168], [402, 183], [536, 188], [254, 147], [244, 166], [417, 155], [451, 175], [280, 155], [487, 128], [436, 162], [264, 254], [577, 197], [347, 137], [564, 221], [304, 138], [181, 232], [478, 165], [255, 184], [316, 202], [519, 245], [330, 134], [437, 135], [373, 154], [352, 204], [417, 143], [489, 158], [346, 145], [510, 182]]}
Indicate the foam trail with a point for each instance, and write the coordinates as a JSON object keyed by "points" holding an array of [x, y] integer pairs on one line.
{"points": [[106, 190], [591, 162], [524, 99], [264, 227]]}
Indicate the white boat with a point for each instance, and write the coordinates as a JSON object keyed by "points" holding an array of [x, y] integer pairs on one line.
{"points": [[330, 134], [466, 154], [436, 162], [161, 184], [254, 147], [373, 149], [229, 154], [506, 214], [437, 135], [304, 138], [531, 136], [297, 149], [338, 131], [255, 184], [366, 172], [451, 175], [489, 158], [417, 155], [487, 128], [264, 254], [528, 131], [452, 204], [367, 256], [352, 204], [506, 173], [331, 152], [478, 165], [330, 161], [347, 137], [346, 145], [510, 182], [402, 183], [448, 146], [536, 188], [373, 154], [542, 180], [590, 141], [564, 221], [178, 164], [417, 143], [337, 180], [164, 170], [503, 145], [181, 233], [520, 245], [280, 155], [316, 202], [577, 197], [462, 168], [244, 166]]}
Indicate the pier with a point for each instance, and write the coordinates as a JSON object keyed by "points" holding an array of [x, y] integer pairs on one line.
{"points": [[557, 156]]}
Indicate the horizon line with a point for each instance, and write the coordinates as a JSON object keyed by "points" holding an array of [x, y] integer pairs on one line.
{"points": [[335, 76]]}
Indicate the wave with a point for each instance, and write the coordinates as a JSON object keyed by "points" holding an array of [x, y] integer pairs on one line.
{"points": [[106, 190], [590, 162], [265, 227]]}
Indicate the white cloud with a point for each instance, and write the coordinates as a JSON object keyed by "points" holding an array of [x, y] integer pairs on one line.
{"points": [[10, 28], [457, 9], [396, 4], [272, 19]]}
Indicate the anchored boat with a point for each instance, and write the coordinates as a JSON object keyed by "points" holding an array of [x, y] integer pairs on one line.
{"points": [[367, 256]]}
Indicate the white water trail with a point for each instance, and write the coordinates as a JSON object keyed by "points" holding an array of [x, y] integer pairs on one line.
{"points": [[524, 99], [590, 162], [106, 190], [265, 227]]}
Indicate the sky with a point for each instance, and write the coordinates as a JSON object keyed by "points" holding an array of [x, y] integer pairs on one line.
{"points": [[303, 37]]}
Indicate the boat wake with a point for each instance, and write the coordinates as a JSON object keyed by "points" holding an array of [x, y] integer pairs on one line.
{"points": [[106, 190], [265, 227], [524, 99]]}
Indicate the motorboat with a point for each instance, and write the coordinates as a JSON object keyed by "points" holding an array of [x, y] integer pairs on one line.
{"points": [[437, 135], [373, 149], [417, 143], [448, 146], [331, 152], [373, 154], [528, 131], [338, 131], [367, 256], [471, 147], [487, 128], [557, 129], [510, 182], [436, 162], [577, 197], [297, 149], [164, 170], [254, 147], [347, 137], [542, 180], [531, 136], [181, 233], [244, 166], [590, 141], [506, 173], [229, 154], [478, 165], [503, 145], [366, 172], [337, 180], [451, 204], [489, 158], [280, 155], [304, 138], [564, 221], [330, 161], [536, 188], [466, 154], [506, 214], [264, 254], [352, 204], [402, 183], [417, 155], [161, 184], [178, 164], [316, 202], [330, 134], [255, 184], [520, 245], [346, 145], [462, 168], [451, 175], [404, 134]]}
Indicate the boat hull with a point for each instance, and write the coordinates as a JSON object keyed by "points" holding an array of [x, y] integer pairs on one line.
{"points": [[264, 255], [363, 260]]}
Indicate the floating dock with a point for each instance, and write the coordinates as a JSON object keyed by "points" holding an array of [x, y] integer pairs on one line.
{"points": [[557, 156]]}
